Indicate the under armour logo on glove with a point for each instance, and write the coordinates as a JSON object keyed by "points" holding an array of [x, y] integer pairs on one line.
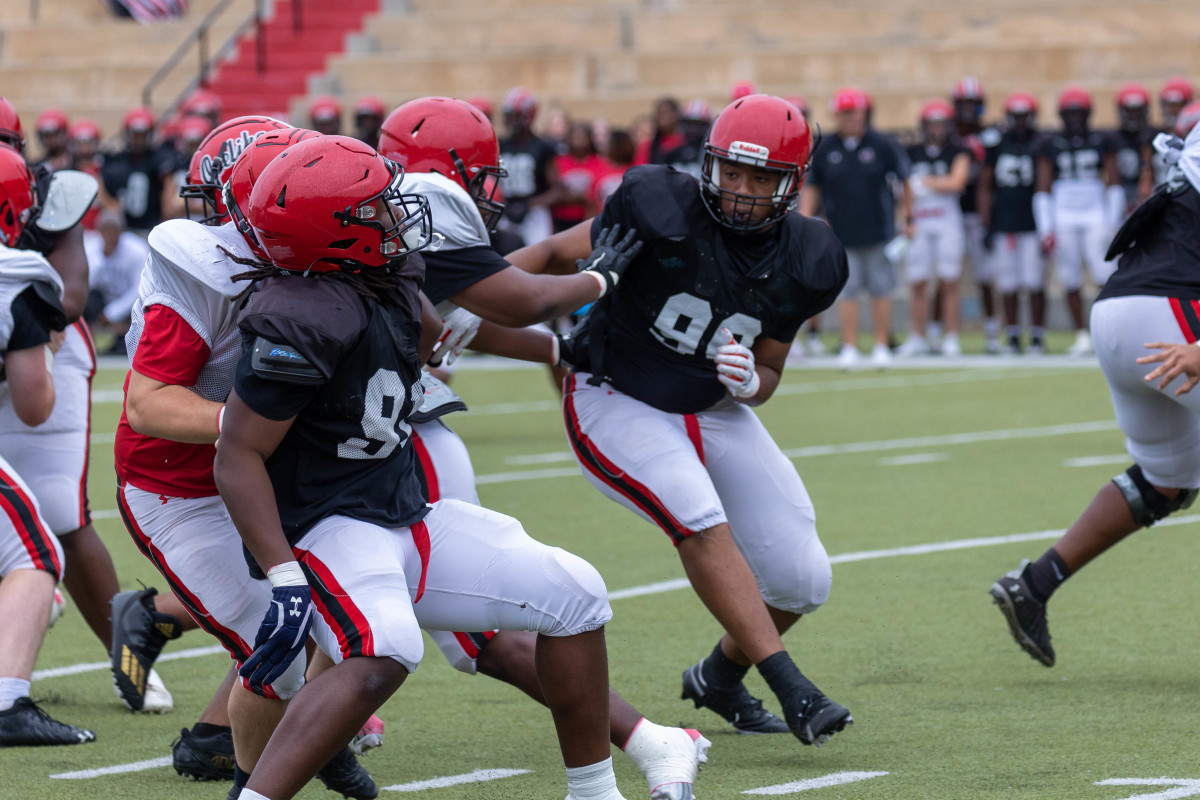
{"points": [[280, 637]]}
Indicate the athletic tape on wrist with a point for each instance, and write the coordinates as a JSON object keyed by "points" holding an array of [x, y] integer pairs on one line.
{"points": [[599, 279], [287, 573]]}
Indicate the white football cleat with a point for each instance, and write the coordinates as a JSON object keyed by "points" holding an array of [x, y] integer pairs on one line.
{"points": [[914, 345], [1082, 345], [848, 357], [57, 608], [670, 758], [881, 356], [158, 699]]}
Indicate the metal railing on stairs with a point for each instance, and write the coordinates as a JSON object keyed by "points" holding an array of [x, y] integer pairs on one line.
{"points": [[207, 58]]}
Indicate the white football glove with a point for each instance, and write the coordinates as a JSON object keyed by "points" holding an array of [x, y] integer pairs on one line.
{"points": [[458, 329], [735, 367]]}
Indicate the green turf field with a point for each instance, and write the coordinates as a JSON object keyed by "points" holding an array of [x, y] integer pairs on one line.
{"points": [[946, 706]]}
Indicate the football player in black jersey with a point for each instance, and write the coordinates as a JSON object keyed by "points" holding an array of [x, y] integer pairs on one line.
{"points": [[1176, 93], [969, 103], [531, 185], [1154, 296], [1006, 207], [657, 408], [1078, 203], [317, 471], [1133, 137]]}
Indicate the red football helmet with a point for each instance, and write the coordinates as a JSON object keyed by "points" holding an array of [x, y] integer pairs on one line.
{"points": [[213, 159], [244, 172], [1075, 98], [452, 138], [520, 103], [369, 106], [1187, 119], [1133, 106], [741, 89], [968, 88], [849, 99], [84, 130], [18, 202], [1020, 103], [52, 120], [332, 203], [203, 102], [482, 103], [193, 129], [138, 120], [1177, 89], [10, 126], [325, 109], [765, 132], [936, 111]]}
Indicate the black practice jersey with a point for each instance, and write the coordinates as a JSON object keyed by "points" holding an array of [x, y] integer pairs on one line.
{"points": [[692, 278], [348, 370], [1130, 147], [1164, 261], [527, 164], [1014, 177], [934, 159], [1076, 157], [137, 181]]}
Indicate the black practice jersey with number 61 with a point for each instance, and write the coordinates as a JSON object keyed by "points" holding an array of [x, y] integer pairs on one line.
{"points": [[694, 278], [348, 370]]}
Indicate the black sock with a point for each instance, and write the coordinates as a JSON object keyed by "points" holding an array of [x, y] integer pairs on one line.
{"points": [[204, 729], [240, 778], [784, 677], [1047, 574], [722, 672]]}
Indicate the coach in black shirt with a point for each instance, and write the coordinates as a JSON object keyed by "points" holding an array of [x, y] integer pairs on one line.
{"points": [[851, 172]]}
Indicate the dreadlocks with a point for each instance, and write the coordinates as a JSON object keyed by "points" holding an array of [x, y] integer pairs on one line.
{"points": [[371, 283]]}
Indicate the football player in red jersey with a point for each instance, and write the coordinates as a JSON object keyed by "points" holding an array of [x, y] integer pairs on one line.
{"points": [[657, 407], [31, 560]]}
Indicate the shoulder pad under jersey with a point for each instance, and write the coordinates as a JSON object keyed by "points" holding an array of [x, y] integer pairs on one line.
{"points": [[455, 216], [439, 400], [26, 266], [195, 250]]}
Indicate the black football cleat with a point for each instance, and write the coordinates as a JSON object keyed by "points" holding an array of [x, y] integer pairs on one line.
{"points": [[138, 635], [737, 706], [204, 758], [814, 718], [1026, 615], [26, 725], [344, 774]]}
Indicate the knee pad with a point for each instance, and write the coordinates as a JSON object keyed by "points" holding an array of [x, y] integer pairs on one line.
{"points": [[1146, 503]]}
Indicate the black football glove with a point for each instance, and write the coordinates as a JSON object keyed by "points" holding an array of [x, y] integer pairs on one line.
{"points": [[611, 255], [565, 350], [281, 636]]}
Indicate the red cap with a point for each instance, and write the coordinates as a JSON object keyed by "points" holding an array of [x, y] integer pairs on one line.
{"points": [[849, 99], [52, 120]]}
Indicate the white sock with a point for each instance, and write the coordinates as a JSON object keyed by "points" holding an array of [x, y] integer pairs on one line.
{"points": [[11, 690], [644, 733], [593, 782], [250, 794]]}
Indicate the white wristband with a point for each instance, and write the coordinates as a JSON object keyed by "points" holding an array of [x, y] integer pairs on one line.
{"points": [[220, 420], [599, 279], [49, 359], [555, 357], [286, 574]]}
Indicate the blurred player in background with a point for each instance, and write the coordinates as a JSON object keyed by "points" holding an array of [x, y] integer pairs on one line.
{"points": [[134, 176], [1078, 203], [531, 183], [325, 115], [1006, 188], [1133, 137], [52, 125], [368, 117], [940, 168]]}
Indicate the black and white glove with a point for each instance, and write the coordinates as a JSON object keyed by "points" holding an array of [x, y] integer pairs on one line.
{"points": [[735, 367], [458, 329], [563, 351], [610, 256], [284, 628]]}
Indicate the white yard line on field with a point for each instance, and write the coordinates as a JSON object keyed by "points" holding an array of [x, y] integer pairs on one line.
{"points": [[478, 776], [1097, 461], [836, 779], [136, 766], [915, 458]]}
